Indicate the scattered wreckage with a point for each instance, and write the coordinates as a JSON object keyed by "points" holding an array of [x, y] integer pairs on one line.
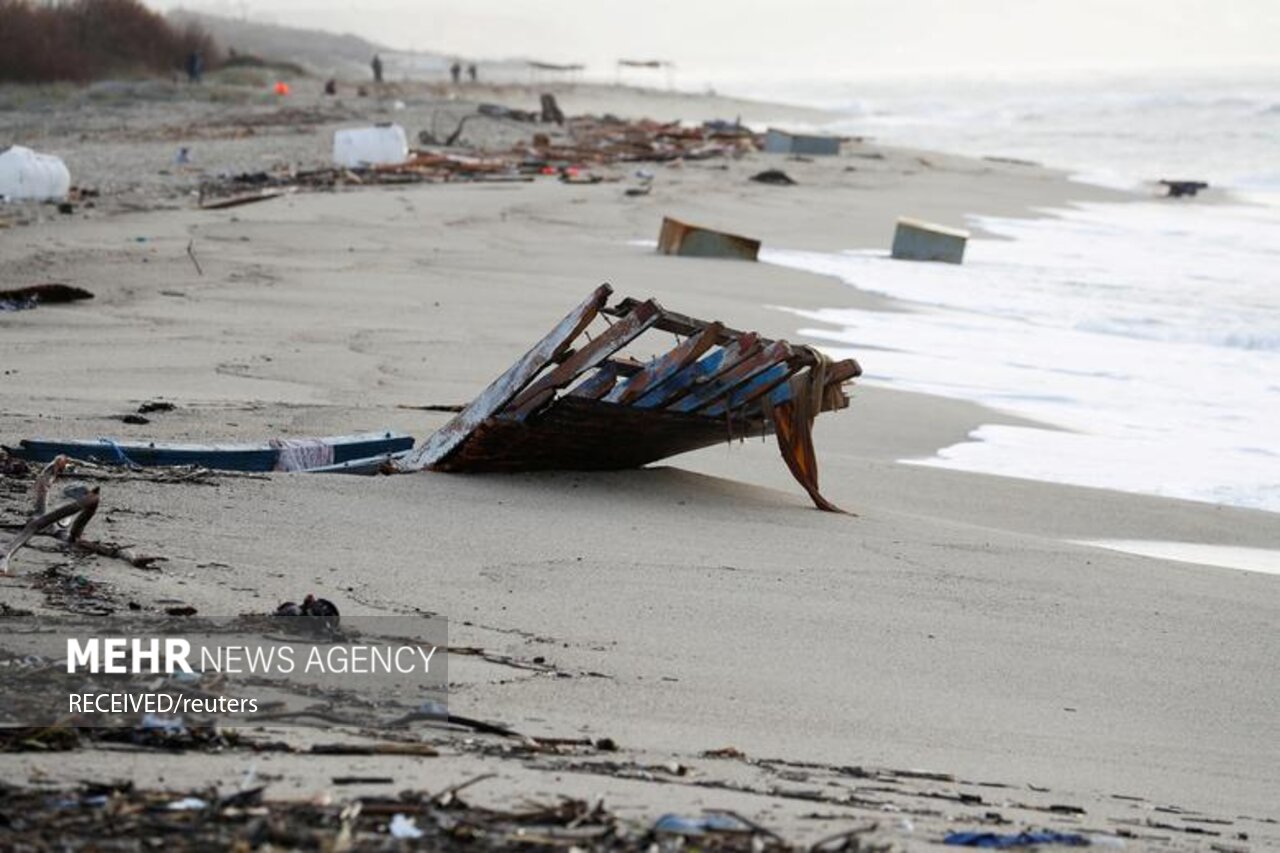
{"points": [[572, 402], [379, 155]]}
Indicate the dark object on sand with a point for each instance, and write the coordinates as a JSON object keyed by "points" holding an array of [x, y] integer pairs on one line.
{"points": [[551, 113], [777, 177], [239, 199], [1178, 189], [280, 454], [315, 610], [587, 408], [680, 238], [20, 298]]}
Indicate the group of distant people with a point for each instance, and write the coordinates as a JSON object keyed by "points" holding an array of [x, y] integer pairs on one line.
{"points": [[455, 71], [195, 71]]}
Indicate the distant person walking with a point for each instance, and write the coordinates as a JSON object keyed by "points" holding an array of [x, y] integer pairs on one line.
{"points": [[195, 66], [472, 74], [455, 71], [376, 65]]}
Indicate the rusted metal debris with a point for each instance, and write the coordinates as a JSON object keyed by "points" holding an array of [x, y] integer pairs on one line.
{"points": [[584, 405], [681, 238]]}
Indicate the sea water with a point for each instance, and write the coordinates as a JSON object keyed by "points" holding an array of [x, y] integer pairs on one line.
{"points": [[1140, 340]]}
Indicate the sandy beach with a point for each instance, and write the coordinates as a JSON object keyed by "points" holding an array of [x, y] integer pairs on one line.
{"points": [[953, 625]]}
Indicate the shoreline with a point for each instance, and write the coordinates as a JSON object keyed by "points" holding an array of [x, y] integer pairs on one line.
{"points": [[949, 626]]}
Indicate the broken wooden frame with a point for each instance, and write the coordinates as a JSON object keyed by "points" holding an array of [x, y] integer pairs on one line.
{"points": [[580, 405]]}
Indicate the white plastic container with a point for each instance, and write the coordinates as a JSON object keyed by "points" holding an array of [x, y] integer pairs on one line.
{"points": [[382, 144], [27, 175]]}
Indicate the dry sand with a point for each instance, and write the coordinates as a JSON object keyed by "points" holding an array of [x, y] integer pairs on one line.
{"points": [[949, 626]]}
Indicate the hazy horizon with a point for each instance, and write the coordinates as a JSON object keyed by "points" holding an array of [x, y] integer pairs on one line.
{"points": [[721, 40]]}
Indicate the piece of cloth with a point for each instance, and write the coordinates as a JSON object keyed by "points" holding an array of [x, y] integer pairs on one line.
{"points": [[302, 454], [793, 426], [1001, 840]]}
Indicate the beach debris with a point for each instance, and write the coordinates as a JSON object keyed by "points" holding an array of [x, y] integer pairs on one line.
{"points": [[694, 827], [776, 177], [1178, 189], [312, 610], [1002, 841], [236, 199], [382, 144], [917, 240], [21, 298], [68, 521], [579, 405], [404, 827], [781, 142], [151, 406], [27, 175], [332, 453], [681, 238], [551, 112]]}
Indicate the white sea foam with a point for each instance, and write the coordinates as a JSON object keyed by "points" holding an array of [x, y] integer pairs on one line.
{"points": [[1146, 335]]}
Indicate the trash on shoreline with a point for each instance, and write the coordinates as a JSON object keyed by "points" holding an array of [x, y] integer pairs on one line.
{"points": [[380, 145], [917, 240], [68, 521], [776, 177], [21, 298], [317, 612], [1178, 189], [681, 238], [588, 408], [998, 840], [27, 175], [333, 453], [781, 142]]}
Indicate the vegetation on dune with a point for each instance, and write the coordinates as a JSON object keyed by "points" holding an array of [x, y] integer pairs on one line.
{"points": [[84, 40]]}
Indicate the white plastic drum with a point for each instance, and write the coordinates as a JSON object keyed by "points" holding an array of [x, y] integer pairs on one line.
{"points": [[370, 146], [27, 175]]}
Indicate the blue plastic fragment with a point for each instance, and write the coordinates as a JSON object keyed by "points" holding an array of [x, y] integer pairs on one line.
{"points": [[1021, 839], [700, 825]]}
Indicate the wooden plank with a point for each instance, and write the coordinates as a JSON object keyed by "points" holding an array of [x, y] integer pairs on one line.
{"points": [[259, 456], [730, 379], [678, 382], [758, 386], [700, 373], [674, 322], [598, 384], [667, 365], [610, 341], [504, 389]]}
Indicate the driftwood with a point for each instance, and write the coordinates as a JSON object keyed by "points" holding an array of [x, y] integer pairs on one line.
{"points": [[81, 508]]}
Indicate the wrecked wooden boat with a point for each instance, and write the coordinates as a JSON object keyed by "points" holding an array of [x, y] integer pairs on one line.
{"points": [[577, 401], [681, 238], [355, 452]]}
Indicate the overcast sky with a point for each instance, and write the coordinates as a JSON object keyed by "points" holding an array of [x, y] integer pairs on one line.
{"points": [[804, 38]]}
